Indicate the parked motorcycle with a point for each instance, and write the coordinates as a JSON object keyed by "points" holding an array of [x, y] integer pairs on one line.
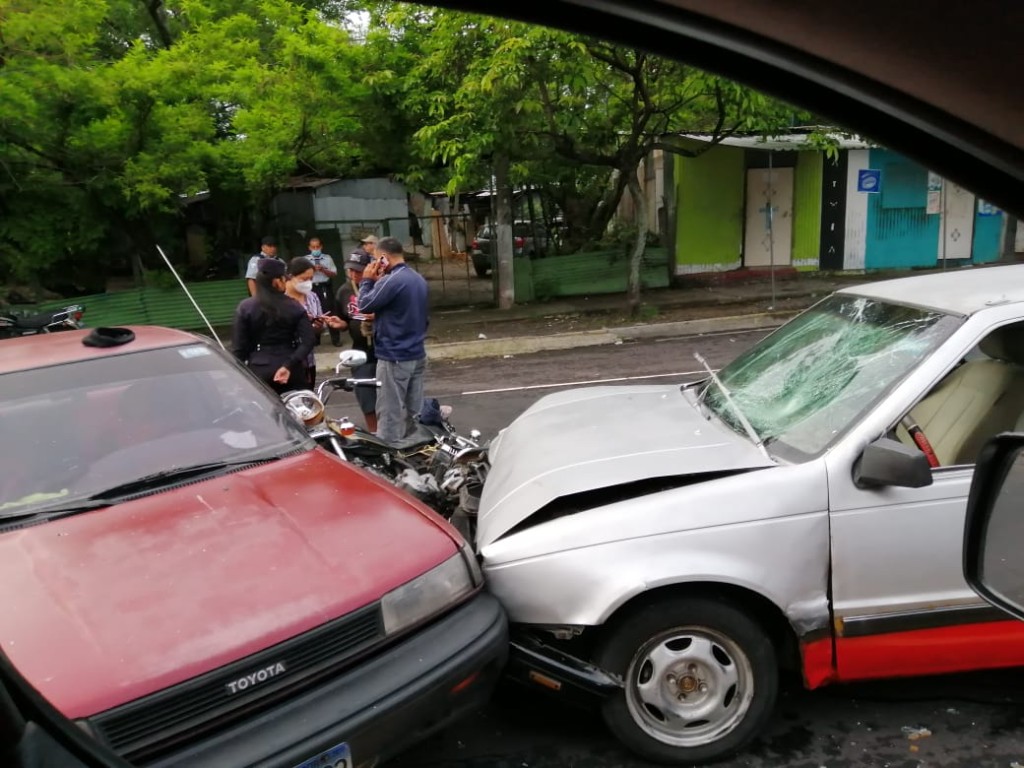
{"points": [[67, 319], [435, 463]]}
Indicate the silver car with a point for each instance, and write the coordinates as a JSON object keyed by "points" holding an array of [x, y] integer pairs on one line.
{"points": [[675, 550]]}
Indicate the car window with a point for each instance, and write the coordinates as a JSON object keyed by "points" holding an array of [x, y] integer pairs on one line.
{"points": [[979, 398], [88, 426], [808, 383]]}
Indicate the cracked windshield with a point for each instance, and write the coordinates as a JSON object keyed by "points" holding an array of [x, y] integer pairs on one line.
{"points": [[808, 382]]}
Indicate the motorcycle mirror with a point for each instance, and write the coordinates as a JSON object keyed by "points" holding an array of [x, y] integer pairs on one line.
{"points": [[352, 358]]}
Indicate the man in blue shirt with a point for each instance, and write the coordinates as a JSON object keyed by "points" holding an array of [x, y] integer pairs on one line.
{"points": [[396, 295]]}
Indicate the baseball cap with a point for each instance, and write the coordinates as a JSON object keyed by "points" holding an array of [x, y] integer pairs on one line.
{"points": [[357, 261], [369, 239]]}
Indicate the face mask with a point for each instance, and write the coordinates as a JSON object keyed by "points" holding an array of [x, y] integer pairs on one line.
{"points": [[304, 286], [316, 252]]}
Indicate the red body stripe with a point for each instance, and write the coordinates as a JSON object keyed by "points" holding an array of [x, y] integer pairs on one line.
{"points": [[959, 648], [818, 662]]}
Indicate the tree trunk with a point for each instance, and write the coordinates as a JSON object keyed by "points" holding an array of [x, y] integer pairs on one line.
{"points": [[605, 210], [503, 233], [640, 204]]}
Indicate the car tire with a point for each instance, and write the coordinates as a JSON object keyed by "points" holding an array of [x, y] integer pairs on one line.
{"points": [[717, 680], [480, 269]]}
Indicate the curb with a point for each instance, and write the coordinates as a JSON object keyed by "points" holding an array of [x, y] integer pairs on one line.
{"points": [[525, 345]]}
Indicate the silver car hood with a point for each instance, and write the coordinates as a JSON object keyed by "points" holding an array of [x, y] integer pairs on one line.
{"points": [[600, 437]]}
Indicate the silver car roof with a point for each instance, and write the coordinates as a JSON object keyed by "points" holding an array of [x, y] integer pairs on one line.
{"points": [[958, 291]]}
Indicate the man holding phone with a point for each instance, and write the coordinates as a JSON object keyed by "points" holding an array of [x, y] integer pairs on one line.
{"points": [[396, 295], [324, 272]]}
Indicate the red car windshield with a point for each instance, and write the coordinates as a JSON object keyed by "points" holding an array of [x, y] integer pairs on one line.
{"points": [[79, 429]]}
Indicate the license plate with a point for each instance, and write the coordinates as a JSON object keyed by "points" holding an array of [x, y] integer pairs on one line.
{"points": [[335, 757]]}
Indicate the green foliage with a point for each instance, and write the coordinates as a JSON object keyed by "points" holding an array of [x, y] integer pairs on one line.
{"points": [[112, 110], [575, 115]]}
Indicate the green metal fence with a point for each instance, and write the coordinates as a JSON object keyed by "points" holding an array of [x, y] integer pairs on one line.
{"points": [[161, 306], [581, 274]]}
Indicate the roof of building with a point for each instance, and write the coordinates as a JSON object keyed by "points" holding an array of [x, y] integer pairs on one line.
{"points": [[797, 140]]}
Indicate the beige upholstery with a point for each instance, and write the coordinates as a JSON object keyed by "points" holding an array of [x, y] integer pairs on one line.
{"points": [[980, 398]]}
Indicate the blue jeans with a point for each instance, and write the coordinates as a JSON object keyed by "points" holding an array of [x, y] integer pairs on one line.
{"points": [[400, 397]]}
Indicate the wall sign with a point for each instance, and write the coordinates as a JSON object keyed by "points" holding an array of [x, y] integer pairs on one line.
{"points": [[869, 180]]}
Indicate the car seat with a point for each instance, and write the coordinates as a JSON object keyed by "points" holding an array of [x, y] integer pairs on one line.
{"points": [[978, 399]]}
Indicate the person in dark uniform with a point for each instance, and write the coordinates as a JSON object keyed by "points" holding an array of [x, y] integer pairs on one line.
{"points": [[272, 334]]}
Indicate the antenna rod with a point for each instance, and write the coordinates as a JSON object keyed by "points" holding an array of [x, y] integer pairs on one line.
{"points": [[182, 284]]}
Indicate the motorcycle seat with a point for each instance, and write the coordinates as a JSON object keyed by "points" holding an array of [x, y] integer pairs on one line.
{"points": [[421, 436], [34, 322]]}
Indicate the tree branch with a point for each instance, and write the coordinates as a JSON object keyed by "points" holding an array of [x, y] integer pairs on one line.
{"points": [[154, 9]]}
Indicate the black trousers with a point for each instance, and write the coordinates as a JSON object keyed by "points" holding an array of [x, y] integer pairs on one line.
{"points": [[326, 293]]}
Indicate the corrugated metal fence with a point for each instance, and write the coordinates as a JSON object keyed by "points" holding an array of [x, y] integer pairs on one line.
{"points": [[161, 306], [535, 279]]}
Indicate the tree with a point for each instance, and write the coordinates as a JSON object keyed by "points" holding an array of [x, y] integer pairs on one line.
{"points": [[556, 102], [112, 110]]}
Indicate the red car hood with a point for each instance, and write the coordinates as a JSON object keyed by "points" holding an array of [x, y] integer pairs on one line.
{"points": [[108, 606]]}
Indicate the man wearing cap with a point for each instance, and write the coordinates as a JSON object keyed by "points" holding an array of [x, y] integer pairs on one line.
{"points": [[367, 249], [268, 250], [360, 328], [396, 295]]}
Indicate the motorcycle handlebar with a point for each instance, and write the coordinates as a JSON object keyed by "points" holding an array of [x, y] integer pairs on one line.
{"points": [[324, 388]]}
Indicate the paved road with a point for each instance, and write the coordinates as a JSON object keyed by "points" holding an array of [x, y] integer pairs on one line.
{"points": [[972, 720]]}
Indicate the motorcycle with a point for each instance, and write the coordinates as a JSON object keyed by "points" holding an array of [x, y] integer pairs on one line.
{"points": [[435, 463], [67, 319]]}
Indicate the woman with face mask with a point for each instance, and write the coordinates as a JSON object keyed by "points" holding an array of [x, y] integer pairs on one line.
{"points": [[299, 287], [272, 334]]}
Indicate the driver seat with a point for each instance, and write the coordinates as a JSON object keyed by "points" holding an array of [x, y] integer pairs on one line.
{"points": [[978, 399]]}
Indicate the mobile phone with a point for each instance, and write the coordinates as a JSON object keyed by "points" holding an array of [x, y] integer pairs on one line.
{"points": [[383, 261]]}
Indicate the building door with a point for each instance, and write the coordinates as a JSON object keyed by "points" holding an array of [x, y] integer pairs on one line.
{"points": [[764, 246], [956, 233]]}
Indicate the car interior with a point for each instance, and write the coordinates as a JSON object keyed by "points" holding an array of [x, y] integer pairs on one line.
{"points": [[981, 397]]}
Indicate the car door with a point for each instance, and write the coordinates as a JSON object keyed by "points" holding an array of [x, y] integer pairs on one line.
{"points": [[901, 605]]}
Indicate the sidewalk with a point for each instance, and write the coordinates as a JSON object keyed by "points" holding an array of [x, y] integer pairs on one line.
{"points": [[703, 305]]}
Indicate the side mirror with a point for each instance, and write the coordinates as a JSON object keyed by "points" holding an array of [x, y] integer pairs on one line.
{"points": [[352, 358], [994, 532], [890, 462]]}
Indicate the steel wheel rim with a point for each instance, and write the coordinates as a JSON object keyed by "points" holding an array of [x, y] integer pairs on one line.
{"points": [[689, 686]]}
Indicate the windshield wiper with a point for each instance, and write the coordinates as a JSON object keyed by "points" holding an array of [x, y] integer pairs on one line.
{"points": [[166, 476], [115, 493], [54, 511], [727, 396]]}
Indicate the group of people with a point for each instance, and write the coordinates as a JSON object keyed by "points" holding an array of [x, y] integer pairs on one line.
{"points": [[382, 304]]}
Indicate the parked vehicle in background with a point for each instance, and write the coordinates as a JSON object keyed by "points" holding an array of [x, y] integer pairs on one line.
{"points": [[190, 578], [13, 325], [801, 509], [530, 241]]}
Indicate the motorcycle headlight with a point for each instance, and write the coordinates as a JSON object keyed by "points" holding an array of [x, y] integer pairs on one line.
{"points": [[427, 595]]}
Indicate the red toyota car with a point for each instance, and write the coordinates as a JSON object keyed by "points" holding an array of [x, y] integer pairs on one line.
{"points": [[189, 578]]}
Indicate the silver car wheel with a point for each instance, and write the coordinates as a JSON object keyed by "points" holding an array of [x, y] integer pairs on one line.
{"points": [[689, 686]]}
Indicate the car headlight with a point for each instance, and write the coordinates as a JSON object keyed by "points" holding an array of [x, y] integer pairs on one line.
{"points": [[427, 595]]}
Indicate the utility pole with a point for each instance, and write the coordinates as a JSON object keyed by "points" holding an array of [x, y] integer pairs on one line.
{"points": [[503, 233]]}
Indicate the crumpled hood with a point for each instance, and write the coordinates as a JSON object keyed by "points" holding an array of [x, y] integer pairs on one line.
{"points": [[585, 439], [108, 606]]}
